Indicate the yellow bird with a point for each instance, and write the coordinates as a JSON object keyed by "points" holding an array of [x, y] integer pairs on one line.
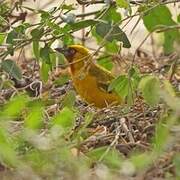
{"points": [[90, 80]]}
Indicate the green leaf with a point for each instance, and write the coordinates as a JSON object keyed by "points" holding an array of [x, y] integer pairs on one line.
{"points": [[35, 117], [112, 47], [88, 119], [161, 137], [11, 37], [7, 153], [82, 24], [113, 159], [112, 16], [169, 38], [57, 30], [10, 50], [44, 71], [37, 158], [110, 157], [65, 118], [20, 30], [142, 161], [122, 3], [120, 85], [105, 62], [168, 88], [131, 72], [176, 162], [178, 18], [158, 17], [130, 96], [45, 54], [96, 154], [150, 87], [82, 132], [68, 39], [69, 99], [11, 68], [68, 7], [37, 34], [36, 49], [63, 79], [2, 37], [112, 33], [97, 36], [53, 59], [126, 85], [15, 106], [45, 16], [16, 34], [47, 57], [7, 84], [135, 77]]}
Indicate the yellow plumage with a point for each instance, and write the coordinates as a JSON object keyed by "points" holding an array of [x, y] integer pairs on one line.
{"points": [[90, 80]]}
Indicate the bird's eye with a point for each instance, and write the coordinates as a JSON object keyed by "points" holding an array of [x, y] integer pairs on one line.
{"points": [[72, 51]]}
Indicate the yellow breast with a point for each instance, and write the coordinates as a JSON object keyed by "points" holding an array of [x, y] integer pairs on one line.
{"points": [[87, 77], [88, 89]]}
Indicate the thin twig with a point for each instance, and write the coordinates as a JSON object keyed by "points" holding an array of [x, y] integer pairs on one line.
{"points": [[83, 30], [113, 143], [133, 60], [126, 130], [168, 28]]}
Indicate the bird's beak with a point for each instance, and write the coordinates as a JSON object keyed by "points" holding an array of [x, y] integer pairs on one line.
{"points": [[64, 51], [68, 52]]}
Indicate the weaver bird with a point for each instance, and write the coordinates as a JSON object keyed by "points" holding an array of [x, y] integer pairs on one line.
{"points": [[90, 80]]}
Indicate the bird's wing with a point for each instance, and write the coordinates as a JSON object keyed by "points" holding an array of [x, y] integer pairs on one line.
{"points": [[103, 77]]}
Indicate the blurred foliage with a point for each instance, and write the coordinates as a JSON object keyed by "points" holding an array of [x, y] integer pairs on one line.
{"points": [[56, 152], [160, 16]]}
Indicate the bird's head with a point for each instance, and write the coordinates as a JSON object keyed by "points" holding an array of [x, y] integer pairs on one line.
{"points": [[75, 53]]}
